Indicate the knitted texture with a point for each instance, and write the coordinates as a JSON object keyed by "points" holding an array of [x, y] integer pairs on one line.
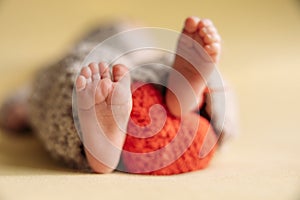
{"points": [[172, 148], [50, 102], [51, 116]]}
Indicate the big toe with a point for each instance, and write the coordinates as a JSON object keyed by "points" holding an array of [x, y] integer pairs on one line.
{"points": [[191, 24], [121, 88]]}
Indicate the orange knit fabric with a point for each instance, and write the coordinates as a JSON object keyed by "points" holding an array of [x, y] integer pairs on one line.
{"points": [[160, 144]]}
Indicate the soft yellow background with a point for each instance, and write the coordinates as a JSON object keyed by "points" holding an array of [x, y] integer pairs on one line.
{"points": [[261, 57]]}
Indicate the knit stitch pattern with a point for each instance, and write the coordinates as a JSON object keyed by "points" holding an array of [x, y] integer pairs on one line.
{"points": [[175, 148]]}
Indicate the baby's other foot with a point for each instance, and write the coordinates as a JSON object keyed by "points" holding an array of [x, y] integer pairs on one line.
{"points": [[206, 34], [104, 104], [198, 50]]}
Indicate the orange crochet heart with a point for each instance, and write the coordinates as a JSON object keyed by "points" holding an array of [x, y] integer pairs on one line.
{"points": [[160, 144]]}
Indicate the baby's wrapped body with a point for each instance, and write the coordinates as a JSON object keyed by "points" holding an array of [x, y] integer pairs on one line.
{"points": [[51, 111]]}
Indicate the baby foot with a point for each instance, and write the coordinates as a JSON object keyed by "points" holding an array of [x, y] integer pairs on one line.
{"points": [[197, 51], [205, 33], [197, 36], [104, 104]]}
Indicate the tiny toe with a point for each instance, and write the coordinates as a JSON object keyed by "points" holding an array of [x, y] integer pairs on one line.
{"points": [[104, 70], [213, 48], [94, 68], [86, 72], [210, 38], [120, 73], [80, 83], [204, 23], [95, 71], [217, 37], [207, 30], [212, 30], [203, 32], [191, 23]]}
